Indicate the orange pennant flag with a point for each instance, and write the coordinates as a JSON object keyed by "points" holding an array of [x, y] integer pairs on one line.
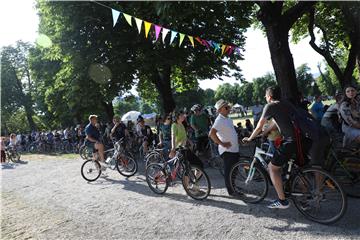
{"points": [[147, 28]]}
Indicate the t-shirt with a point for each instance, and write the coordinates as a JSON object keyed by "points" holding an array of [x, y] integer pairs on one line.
{"points": [[318, 110], [256, 111], [166, 131], [92, 131], [281, 114], [119, 131], [178, 130], [201, 122], [226, 133]]}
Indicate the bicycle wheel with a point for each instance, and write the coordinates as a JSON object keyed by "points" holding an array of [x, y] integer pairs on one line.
{"points": [[256, 188], [126, 165], [196, 183], [90, 170], [347, 173], [153, 157], [156, 178], [83, 152], [318, 196]]}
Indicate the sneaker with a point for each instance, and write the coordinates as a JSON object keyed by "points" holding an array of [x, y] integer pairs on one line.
{"points": [[279, 204]]}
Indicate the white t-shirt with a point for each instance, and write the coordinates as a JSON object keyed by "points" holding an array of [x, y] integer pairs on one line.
{"points": [[226, 133]]}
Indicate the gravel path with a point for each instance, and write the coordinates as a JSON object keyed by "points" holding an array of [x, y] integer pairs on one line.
{"points": [[48, 199]]}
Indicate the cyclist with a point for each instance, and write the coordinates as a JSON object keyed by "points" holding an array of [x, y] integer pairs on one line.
{"points": [[119, 130], [179, 138], [350, 113], [144, 131], [165, 134], [93, 138], [200, 123], [283, 122], [330, 120], [224, 134]]}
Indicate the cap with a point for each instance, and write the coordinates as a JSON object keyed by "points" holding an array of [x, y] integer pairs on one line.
{"points": [[92, 116], [221, 103]]}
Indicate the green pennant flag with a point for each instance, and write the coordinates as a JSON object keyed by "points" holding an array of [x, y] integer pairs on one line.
{"points": [[181, 38], [128, 18]]}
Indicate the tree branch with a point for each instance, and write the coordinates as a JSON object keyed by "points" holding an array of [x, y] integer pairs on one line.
{"points": [[295, 12], [326, 54]]}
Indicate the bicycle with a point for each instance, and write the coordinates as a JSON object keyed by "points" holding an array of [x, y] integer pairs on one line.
{"points": [[310, 188], [11, 154], [215, 160], [344, 165], [195, 181], [125, 165]]}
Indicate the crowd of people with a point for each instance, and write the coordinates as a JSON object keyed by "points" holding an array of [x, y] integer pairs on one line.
{"points": [[197, 127]]}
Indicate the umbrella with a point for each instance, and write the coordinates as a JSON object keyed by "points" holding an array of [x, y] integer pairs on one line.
{"points": [[130, 116]]}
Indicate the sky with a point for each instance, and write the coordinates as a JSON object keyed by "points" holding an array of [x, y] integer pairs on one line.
{"points": [[19, 21]]}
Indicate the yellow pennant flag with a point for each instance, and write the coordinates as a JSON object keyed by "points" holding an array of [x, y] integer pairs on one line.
{"points": [[147, 28], [181, 38], [191, 40], [223, 49], [128, 18]]}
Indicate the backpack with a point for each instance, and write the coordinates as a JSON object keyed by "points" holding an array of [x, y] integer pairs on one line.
{"points": [[305, 127]]}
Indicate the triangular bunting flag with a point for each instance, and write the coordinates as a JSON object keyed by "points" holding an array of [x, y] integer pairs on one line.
{"points": [[209, 42], [199, 40], [223, 49], [231, 49], [164, 33], [191, 40], [115, 15], [128, 18], [173, 35], [227, 48], [181, 38], [138, 24], [147, 28], [216, 46], [157, 32]]}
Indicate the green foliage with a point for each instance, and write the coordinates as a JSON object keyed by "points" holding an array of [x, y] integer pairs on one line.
{"points": [[305, 80], [129, 103], [259, 86]]}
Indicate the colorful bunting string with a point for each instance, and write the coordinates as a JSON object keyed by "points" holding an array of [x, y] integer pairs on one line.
{"points": [[217, 47]]}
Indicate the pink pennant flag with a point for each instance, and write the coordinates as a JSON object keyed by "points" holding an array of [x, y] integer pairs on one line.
{"points": [[157, 32], [164, 33]]}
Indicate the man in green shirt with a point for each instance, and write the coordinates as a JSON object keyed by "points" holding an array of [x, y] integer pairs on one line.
{"points": [[200, 123]]}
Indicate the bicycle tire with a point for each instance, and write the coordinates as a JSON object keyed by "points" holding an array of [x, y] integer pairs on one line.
{"points": [[155, 177], [126, 166], [201, 191], [153, 157], [308, 196], [95, 167], [248, 191], [347, 173]]}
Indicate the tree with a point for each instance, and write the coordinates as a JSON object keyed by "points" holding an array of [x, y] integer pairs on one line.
{"points": [[260, 85], [245, 94], [227, 92], [16, 82], [305, 80], [277, 19], [339, 44]]}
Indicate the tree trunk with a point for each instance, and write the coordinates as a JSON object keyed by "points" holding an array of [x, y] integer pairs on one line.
{"points": [[162, 82], [277, 23], [25, 101], [282, 61], [109, 109]]}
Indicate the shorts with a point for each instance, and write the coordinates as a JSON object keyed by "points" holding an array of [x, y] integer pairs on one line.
{"points": [[284, 153], [90, 144]]}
